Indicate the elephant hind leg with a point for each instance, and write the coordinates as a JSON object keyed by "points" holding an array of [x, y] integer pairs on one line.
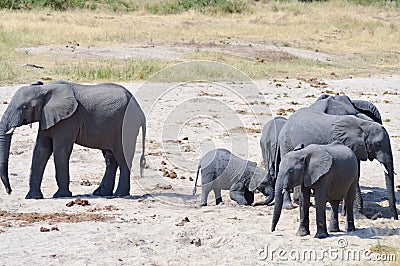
{"points": [[124, 184], [218, 196], [334, 223], [106, 186], [349, 201]]}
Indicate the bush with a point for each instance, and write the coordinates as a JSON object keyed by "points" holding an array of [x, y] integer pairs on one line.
{"points": [[205, 6], [53, 4]]}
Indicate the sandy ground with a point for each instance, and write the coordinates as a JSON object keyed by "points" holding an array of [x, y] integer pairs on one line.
{"points": [[161, 223]]}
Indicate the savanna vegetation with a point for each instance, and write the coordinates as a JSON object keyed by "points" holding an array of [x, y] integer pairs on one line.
{"points": [[262, 38]]}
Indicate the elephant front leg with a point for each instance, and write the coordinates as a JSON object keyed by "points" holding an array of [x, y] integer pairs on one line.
{"points": [[287, 202], [304, 206], [41, 154], [106, 186], [320, 206], [61, 161], [238, 194], [334, 223]]}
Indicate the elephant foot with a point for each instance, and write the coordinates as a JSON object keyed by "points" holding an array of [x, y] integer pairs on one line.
{"points": [[321, 235], [62, 193], [333, 228], [34, 195], [218, 201], [287, 205], [302, 231], [350, 227], [101, 191], [120, 193], [203, 204]]}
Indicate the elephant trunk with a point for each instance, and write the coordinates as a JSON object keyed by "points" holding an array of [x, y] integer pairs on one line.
{"points": [[387, 160], [270, 197], [385, 157], [5, 141], [278, 204]]}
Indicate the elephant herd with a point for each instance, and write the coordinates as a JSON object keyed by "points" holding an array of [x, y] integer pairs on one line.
{"points": [[318, 148]]}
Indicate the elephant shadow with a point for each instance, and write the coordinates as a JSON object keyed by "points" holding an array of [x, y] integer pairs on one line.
{"points": [[369, 233], [372, 195]]}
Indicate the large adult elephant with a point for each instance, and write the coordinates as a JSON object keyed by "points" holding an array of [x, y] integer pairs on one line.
{"points": [[367, 139], [269, 141], [343, 105], [104, 116]]}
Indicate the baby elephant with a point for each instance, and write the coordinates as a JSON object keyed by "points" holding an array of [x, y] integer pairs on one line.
{"points": [[220, 169], [331, 171]]}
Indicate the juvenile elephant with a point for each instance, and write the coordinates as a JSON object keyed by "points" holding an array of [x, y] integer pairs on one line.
{"points": [[221, 170], [367, 139], [331, 171], [269, 140], [104, 116]]}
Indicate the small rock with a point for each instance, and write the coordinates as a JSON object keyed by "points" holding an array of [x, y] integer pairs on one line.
{"points": [[185, 138], [182, 177], [196, 242], [55, 228], [190, 178], [44, 229], [70, 204], [173, 175], [86, 183], [182, 223], [163, 163]]}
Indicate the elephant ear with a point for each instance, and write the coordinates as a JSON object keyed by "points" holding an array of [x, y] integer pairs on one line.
{"points": [[60, 103], [322, 96], [347, 130], [368, 109], [318, 163], [257, 176]]}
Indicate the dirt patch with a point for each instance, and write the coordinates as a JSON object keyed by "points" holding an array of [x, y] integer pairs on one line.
{"points": [[179, 51], [11, 219]]}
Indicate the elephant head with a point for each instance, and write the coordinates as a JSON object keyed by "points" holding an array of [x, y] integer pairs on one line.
{"points": [[369, 140], [263, 182], [299, 167], [46, 104]]}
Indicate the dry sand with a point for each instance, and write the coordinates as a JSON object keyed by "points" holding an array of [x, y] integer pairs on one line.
{"points": [[161, 223]]}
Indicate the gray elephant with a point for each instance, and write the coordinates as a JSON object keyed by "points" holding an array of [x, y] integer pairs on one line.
{"points": [[269, 141], [367, 139], [331, 171], [104, 116], [343, 105], [221, 170]]}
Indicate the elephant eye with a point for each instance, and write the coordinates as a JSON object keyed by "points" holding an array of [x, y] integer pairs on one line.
{"points": [[24, 107], [291, 171]]}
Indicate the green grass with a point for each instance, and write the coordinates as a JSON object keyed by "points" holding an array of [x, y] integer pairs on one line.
{"points": [[127, 70], [158, 7]]}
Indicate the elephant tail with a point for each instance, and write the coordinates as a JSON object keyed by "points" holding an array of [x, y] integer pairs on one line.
{"points": [[142, 158], [195, 182]]}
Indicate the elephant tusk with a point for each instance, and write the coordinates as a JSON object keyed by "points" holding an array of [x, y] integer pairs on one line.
{"points": [[10, 131]]}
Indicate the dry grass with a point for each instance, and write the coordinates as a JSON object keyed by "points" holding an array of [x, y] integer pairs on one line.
{"points": [[365, 39]]}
